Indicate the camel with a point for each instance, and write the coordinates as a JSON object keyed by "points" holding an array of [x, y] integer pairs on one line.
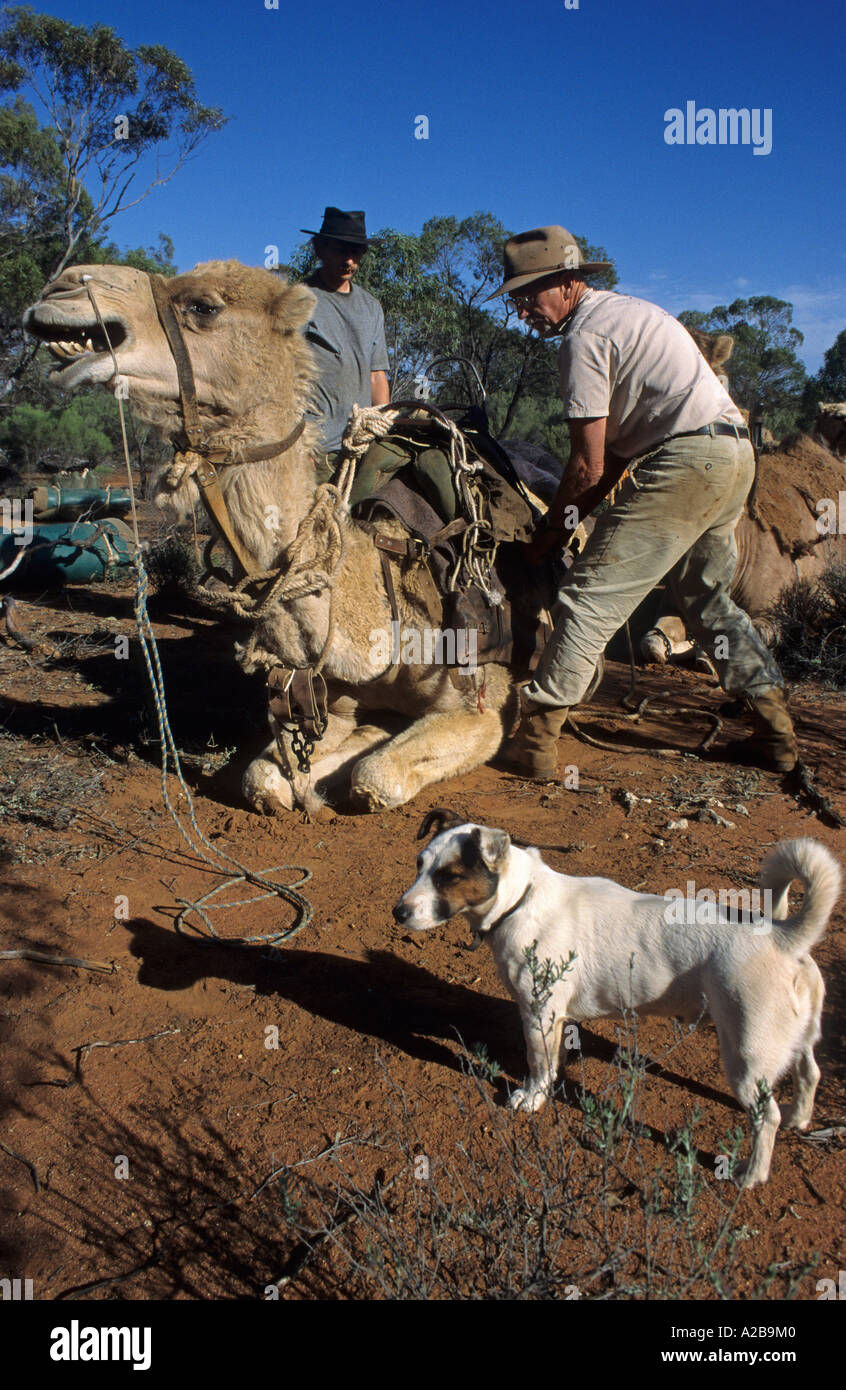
{"points": [[779, 538], [393, 728]]}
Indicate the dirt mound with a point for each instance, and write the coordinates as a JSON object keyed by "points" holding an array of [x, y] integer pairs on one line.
{"points": [[790, 483]]}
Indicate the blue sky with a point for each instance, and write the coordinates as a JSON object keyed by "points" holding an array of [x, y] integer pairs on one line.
{"points": [[537, 113]]}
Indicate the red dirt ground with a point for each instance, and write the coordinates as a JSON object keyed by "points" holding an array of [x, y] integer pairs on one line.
{"points": [[373, 1023]]}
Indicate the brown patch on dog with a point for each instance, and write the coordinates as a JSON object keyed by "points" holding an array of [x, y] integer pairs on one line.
{"points": [[462, 879]]}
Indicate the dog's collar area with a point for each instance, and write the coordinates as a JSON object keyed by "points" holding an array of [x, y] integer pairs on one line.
{"points": [[503, 917]]}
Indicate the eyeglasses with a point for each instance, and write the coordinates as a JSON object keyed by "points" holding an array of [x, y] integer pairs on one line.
{"points": [[517, 302]]}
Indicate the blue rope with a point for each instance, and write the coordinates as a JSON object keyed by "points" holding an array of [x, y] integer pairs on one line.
{"points": [[286, 891]]}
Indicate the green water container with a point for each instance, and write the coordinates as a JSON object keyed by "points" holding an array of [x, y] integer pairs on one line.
{"points": [[74, 553]]}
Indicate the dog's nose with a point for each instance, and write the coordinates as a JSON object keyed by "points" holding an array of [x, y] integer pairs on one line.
{"points": [[402, 912]]}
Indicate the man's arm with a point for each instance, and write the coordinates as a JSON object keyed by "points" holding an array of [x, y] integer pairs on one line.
{"points": [[587, 479], [379, 392]]}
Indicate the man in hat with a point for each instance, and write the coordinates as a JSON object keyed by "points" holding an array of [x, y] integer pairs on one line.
{"points": [[638, 394], [346, 332]]}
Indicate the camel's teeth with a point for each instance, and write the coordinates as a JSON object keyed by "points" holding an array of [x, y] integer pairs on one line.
{"points": [[89, 346]]}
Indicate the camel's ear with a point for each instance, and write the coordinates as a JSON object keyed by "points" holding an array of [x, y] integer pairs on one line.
{"points": [[293, 308], [721, 350]]}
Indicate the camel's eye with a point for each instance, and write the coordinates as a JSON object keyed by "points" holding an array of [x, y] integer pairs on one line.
{"points": [[203, 308]]}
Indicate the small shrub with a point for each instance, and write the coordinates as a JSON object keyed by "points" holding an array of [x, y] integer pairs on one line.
{"points": [[171, 565], [811, 619]]}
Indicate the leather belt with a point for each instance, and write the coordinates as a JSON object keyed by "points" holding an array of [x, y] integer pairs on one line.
{"points": [[736, 431]]}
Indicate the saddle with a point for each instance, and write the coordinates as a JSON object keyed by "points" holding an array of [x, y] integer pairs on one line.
{"points": [[468, 568]]}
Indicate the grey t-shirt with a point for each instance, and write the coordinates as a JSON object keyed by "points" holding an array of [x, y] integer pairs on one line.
{"points": [[633, 363], [347, 336]]}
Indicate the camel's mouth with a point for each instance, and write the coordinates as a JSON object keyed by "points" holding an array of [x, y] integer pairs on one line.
{"points": [[72, 343]]}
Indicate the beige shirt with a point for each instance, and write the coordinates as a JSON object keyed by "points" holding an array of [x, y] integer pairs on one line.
{"points": [[632, 363]]}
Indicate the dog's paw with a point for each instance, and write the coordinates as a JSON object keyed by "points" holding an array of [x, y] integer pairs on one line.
{"points": [[526, 1100], [793, 1118]]}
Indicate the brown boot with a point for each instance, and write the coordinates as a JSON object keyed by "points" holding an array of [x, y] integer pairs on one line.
{"points": [[773, 742], [533, 751]]}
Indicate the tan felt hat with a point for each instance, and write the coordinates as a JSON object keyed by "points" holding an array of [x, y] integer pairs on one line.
{"points": [[541, 252]]}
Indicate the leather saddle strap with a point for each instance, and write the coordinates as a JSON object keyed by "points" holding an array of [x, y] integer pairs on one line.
{"points": [[404, 549]]}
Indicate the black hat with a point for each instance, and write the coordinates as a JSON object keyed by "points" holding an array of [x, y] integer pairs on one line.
{"points": [[343, 226]]}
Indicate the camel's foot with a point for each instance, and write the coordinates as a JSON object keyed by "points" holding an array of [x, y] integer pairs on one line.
{"points": [[372, 787], [265, 787]]}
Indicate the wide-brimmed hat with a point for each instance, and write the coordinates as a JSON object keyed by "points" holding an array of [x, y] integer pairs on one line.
{"points": [[343, 226], [542, 251]]}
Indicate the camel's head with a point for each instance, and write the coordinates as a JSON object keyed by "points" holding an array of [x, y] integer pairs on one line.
{"points": [[716, 348], [240, 327]]}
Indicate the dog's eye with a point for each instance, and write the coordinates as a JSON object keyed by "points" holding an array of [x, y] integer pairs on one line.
{"points": [[442, 878]]}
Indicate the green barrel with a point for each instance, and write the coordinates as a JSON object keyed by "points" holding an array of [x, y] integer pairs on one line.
{"points": [[65, 503], [75, 553]]}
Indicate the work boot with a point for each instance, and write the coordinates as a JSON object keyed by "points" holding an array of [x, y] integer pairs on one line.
{"points": [[533, 751], [773, 741]]}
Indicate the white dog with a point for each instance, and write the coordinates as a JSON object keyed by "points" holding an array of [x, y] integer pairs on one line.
{"points": [[630, 951]]}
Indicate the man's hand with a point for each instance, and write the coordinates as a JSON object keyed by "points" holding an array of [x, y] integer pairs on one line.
{"points": [[543, 542]]}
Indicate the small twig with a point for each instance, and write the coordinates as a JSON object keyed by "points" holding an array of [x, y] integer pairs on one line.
{"points": [[83, 1051], [333, 1148], [25, 1162], [799, 781], [43, 958], [304, 1251]]}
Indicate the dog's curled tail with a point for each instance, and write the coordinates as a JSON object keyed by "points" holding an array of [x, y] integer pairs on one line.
{"points": [[822, 881]]}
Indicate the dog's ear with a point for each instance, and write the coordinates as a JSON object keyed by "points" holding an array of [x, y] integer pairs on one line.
{"points": [[493, 845], [440, 818]]}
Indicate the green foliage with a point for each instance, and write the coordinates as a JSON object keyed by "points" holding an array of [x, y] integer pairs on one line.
{"points": [[764, 368], [831, 377], [828, 385], [31, 435], [108, 109]]}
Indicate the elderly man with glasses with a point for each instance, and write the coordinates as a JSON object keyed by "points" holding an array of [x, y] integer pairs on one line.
{"points": [[639, 396]]}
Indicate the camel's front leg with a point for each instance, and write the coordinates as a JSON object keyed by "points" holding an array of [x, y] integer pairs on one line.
{"points": [[435, 747], [269, 788]]}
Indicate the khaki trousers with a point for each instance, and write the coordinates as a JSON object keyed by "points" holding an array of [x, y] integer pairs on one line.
{"points": [[674, 518]]}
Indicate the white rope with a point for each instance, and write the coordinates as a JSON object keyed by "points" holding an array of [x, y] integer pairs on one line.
{"points": [[366, 424]]}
